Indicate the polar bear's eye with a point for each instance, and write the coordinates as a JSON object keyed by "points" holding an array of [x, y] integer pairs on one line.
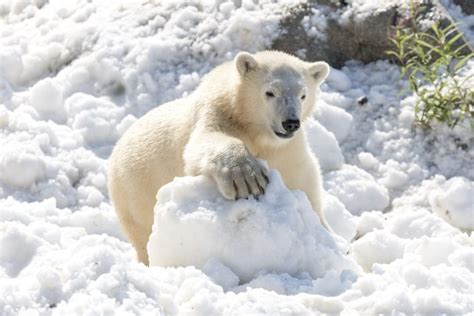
{"points": [[270, 94], [303, 97]]}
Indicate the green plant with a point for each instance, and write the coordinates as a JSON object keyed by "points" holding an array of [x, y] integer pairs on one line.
{"points": [[431, 61]]}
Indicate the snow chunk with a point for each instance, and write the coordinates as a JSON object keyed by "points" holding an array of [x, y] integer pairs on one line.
{"points": [[377, 247], [369, 221], [18, 248], [11, 64], [90, 196], [394, 179], [357, 190], [432, 251], [96, 118], [125, 124], [324, 145], [454, 202], [315, 24], [334, 119], [47, 99], [4, 116], [368, 161], [21, 165], [220, 274], [279, 233], [338, 99], [339, 219], [338, 80]]}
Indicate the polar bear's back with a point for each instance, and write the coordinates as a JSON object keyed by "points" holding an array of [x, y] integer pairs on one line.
{"points": [[150, 153]]}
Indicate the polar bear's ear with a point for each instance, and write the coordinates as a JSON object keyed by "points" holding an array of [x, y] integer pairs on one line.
{"points": [[245, 63], [319, 70]]}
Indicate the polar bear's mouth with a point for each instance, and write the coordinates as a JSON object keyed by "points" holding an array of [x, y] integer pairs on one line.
{"points": [[282, 135]]}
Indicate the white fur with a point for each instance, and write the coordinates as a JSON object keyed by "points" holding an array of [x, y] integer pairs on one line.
{"points": [[221, 130]]}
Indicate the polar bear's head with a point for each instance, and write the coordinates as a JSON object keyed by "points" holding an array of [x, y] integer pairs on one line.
{"points": [[278, 92]]}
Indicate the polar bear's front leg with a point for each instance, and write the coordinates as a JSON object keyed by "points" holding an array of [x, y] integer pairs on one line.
{"points": [[237, 172]]}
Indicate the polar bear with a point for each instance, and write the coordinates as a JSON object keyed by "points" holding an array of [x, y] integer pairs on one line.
{"points": [[244, 111]]}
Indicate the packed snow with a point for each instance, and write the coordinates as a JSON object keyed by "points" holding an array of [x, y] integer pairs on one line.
{"points": [[74, 75]]}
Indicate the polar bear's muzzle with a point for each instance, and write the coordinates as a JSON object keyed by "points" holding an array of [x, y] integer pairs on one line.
{"points": [[290, 127]]}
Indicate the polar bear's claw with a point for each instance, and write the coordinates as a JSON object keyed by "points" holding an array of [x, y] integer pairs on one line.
{"points": [[247, 178]]}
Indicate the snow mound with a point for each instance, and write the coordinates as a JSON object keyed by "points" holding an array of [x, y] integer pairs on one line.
{"points": [[278, 233], [454, 202]]}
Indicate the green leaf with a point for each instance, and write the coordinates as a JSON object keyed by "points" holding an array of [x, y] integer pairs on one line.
{"points": [[454, 39], [447, 30], [465, 80], [430, 46], [460, 48], [392, 53], [435, 28], [435, 39], [461, 63]]}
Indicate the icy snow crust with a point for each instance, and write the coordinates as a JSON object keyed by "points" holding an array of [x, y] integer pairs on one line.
{"points": [[74, 75]]}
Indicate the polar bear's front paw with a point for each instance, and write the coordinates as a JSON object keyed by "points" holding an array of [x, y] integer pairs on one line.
{"points": [[246, 178]]}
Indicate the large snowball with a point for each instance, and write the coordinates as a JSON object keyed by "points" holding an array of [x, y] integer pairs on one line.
{"points": [[278, 233]]}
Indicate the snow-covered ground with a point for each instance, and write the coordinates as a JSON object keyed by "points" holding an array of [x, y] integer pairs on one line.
{"points": [[74, 75]]}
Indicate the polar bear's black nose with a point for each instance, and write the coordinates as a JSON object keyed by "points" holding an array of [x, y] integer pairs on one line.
{"points": [[291, 125]]}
